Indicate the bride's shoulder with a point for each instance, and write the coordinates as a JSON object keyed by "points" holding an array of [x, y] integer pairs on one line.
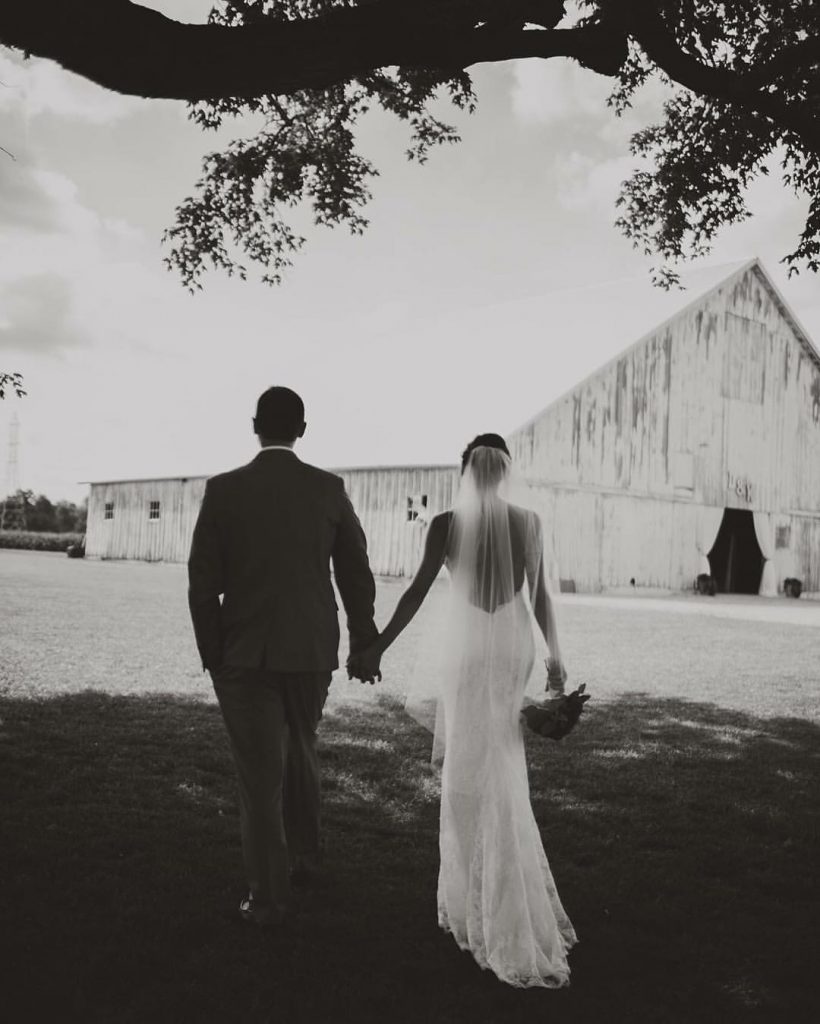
{"points": [[442, 520], [525, 518], [520, 512], [438, 531]]}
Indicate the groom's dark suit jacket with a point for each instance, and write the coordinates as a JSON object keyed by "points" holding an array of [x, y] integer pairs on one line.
{"points": [[265, 539]]}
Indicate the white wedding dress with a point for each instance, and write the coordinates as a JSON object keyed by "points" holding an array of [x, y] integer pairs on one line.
{"points": [[496, 893]]}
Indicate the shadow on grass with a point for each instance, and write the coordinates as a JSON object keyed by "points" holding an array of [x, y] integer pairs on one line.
{"points": [[681, 836]]}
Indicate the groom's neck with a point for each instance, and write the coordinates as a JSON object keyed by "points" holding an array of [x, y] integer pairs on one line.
{"points": [[270, 442]]}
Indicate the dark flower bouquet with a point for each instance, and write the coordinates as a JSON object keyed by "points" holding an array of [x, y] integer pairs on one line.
{"points": [[555, 718]]}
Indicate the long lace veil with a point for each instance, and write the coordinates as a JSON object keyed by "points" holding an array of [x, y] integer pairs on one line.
{"points": [[482, 627]]}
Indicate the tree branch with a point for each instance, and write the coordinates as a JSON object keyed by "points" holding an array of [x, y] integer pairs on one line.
{"points": [[744, 90], [804, 54], [134, 50]]}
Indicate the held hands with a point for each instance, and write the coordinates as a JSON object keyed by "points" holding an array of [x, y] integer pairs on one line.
{"points": [[364, 666]]}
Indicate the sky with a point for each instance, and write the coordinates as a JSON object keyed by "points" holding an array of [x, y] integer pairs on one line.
{"points": [[489, 281]]}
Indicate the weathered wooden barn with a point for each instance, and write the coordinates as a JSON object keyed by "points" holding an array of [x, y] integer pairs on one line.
{"points": [[696, 450]]}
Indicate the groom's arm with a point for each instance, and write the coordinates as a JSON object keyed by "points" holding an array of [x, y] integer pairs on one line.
{"points": [[206, 582], [354, 580]]}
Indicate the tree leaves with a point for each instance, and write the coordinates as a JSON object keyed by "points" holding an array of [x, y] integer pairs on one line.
{"points": [[305, 155], [705, 153], [745, 81], [11, 382]]}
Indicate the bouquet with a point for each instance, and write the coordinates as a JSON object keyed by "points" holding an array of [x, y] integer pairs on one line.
{"points": [[555, 718]]}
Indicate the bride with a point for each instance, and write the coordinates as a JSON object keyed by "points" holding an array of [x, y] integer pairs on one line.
{"points": [[496, 894]]}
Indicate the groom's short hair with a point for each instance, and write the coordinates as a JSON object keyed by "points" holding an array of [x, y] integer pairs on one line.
{"points": [[280, 414]]}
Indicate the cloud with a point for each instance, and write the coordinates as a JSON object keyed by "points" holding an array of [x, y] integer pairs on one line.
{"points": [[35, 201], [553, 91], [587, 183], [63, 267], [37, 314], [39, 87], [42, 225], [768, 197], [25, 201]]}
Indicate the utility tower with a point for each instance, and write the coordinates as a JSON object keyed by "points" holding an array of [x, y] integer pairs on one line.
{"points": [[13, 510]]}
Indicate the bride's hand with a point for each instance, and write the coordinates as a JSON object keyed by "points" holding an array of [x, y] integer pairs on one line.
{"points": [[365, 665], [556, 676]]}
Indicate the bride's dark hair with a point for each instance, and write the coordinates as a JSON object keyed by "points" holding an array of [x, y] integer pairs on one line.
{"points": [[483, 441]]}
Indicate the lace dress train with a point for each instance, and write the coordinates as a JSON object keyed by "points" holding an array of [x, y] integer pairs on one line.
{"points": [[496, 893]]}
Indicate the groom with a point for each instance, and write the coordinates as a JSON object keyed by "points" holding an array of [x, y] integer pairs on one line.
{"points": [[265, 538]]}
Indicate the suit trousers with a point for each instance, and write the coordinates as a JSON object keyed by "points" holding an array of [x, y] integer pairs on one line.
{"points": [[271, 720]]}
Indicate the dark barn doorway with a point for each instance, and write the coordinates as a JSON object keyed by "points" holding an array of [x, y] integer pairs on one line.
{"points": [[736, 559]]}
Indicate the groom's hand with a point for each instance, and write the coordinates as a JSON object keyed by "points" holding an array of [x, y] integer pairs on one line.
{"points": [[355, 669], [365, 666]]}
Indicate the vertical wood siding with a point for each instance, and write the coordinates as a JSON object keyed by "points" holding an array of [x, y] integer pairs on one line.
{"points": [[131, 534], [379, 496], [726, 391], [804, 557], [601, 539], [718, 407]]}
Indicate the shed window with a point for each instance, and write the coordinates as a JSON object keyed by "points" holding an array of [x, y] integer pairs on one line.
{"points": [[108, 512], [153, 510], [416, 506]]}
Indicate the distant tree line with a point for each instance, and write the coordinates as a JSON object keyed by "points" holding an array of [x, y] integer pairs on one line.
{"points": [[41, 515]]}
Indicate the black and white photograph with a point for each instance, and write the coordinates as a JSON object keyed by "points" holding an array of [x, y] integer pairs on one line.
{"points": [[409, 511]]}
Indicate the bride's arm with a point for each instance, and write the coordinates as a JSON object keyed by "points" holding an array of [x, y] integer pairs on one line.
{"points": [[542, 604], [545, 617], [435, 550]]}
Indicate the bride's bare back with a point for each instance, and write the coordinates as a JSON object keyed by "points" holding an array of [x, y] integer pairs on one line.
{"points": [[503, 558]]}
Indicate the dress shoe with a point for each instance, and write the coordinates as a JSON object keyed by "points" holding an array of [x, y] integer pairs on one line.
{"points": [[263, 915]]}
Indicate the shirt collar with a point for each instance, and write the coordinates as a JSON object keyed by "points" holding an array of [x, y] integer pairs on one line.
{"points": [[277, 448]]}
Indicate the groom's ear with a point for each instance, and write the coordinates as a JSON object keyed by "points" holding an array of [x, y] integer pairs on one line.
{"points": [[302, 431]]}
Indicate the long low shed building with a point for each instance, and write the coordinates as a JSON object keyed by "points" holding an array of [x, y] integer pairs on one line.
{"points": [[695, 451], [154, 520]]}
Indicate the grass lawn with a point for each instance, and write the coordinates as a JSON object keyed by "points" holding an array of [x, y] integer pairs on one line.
{"points": [[680, 820]]}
